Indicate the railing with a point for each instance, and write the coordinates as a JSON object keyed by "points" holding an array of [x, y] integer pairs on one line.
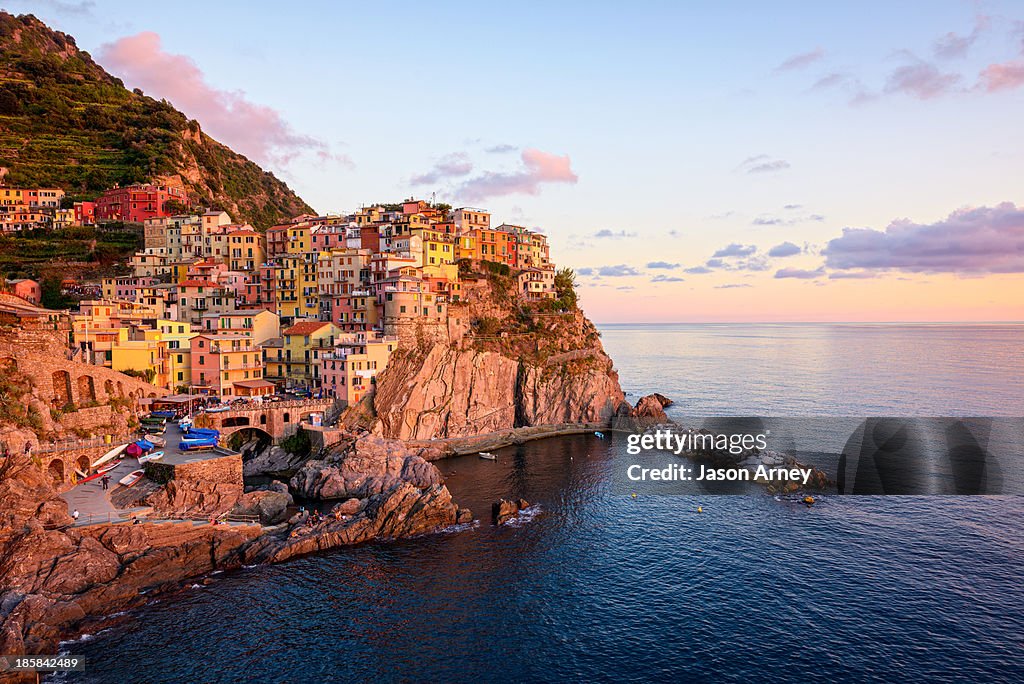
{"points": [[127, 517], [72, 444]]}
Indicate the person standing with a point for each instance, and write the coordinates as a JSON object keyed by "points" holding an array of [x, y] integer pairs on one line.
{"points": [[106, 481], [75, 514]]}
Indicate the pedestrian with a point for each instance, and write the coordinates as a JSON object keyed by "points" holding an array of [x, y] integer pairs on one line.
{"points": [[75, 514], [106, 481], [28, 448]]}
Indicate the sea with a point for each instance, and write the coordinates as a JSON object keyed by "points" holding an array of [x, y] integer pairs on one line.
{"points": [[593, 584]]}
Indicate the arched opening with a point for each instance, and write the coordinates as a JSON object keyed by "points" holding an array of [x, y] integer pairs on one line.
{"points": [[108, 388], [287, 417], [120, 389], [235, 421], [263, 419], [152, 395], [61, 388], [82, 464], [249, 441], [56, 471], [86, 389]]}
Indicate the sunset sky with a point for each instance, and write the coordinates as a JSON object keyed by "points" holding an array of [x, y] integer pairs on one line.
{"points": [[789, 161]]}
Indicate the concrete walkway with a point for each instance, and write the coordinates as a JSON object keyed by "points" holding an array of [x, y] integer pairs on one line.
{"points": [[93, 502]]}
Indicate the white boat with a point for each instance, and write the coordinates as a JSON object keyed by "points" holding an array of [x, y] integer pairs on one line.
{"points": [[487, 455], [110, 455], [155, 456], [218, 409], [132, 478], [156, 441]]}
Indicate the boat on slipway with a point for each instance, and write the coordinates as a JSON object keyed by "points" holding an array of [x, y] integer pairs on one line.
{"points": [[109, 456]]}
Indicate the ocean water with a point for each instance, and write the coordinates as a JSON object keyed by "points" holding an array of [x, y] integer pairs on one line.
{"points": [[594, 585]]}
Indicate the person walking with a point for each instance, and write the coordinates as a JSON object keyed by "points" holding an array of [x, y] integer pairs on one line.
{"points": [[75, 514], [106, 481]]}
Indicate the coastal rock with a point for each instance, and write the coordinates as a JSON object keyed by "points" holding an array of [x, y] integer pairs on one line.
{"points": [[270, 507], [365, 466], [402, 511], [191, 498], [271, 461], [348, 507], [651, 409], [504, 510]]}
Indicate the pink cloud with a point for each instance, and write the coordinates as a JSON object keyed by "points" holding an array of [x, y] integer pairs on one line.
{"points": [[538, 168], [257, 131], [923, 81], [1005, 76]]}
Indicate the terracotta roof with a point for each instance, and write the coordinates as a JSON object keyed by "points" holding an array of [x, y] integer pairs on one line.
{"points": [[253, 383], [305, 327]]}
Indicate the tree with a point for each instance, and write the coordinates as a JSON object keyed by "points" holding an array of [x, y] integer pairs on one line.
{"points": [[565, 287]]}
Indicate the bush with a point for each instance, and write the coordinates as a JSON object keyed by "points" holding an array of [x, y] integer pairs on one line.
{"points": [[298, 444]]}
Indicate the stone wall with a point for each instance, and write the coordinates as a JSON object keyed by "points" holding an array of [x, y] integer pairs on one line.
{"points": [[220, 470]]}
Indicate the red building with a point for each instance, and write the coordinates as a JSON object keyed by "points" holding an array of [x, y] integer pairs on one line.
{"points": [[85, 213], [136, 203]]}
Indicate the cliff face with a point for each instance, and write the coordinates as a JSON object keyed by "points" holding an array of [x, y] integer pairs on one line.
{"points": [[495, 366]]}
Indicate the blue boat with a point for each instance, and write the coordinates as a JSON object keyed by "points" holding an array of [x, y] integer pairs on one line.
{"points": [[195, 444], [145, 445], [199, 433], [599, 435]]}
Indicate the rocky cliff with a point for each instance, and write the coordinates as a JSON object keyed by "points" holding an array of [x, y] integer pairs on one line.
{"points": [[497, 364]]}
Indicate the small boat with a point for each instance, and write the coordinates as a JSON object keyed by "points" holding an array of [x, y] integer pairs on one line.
{"points": [[218, 409], [149, 420], [156, 441], [145, 445], [155, 456], [132, 478], [109, 456], [162, 414], [99, 473], [153, 429], [202, 433], [196, 444], [599, 435], [487, 455]]}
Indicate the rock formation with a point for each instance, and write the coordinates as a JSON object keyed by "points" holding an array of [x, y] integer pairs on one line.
{"points": [[502, 511], [456, 381]]}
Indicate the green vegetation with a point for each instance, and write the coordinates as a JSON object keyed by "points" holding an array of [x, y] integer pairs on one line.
{"points": [[36, 253], [14, 388], [565, 289], [298, 444], [146, 375], [67, 123]]}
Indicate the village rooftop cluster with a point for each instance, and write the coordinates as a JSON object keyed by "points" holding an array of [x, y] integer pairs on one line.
{"points": [[316, 305]]}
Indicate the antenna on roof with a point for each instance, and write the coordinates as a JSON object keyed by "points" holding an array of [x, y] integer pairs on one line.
{"points": [[433, 199]]}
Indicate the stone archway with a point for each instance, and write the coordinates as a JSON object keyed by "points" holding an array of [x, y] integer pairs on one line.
{"points": [[56, 471], [86, 389], [82, 464], [61, 388], [108, 388], [120, 389]]}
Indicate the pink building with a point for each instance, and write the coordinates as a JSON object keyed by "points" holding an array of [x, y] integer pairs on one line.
{"points": [[227, 366], [28, 290]]}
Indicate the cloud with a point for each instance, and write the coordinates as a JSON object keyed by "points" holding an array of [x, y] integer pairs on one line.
{"points": [[451, 165], [257, 131], [922, 80], [662, 278], [735, 250], [1005, 76], [606, 233], [799, 273], [969, 241], [618, 271], [730, 286], [625, 287], [715, 263], [662, 264], [792, 207], [769, 166], [786, 249], [83, 8], [698, 270], [801, 60], [769, 221], [538, 168], [501, 149], [852, 275], [830, 81], [952, 45]]}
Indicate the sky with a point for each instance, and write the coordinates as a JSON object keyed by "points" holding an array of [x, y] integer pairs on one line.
{"points": [[693, 162]]}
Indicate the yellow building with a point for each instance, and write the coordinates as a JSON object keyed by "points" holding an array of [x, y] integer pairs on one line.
{"points": [[303, 345], [297, 294]]}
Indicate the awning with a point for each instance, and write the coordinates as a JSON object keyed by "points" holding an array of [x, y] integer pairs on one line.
{"points": [[253, 384]]}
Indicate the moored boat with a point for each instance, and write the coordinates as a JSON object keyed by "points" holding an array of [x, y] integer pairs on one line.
{"points": [[487, 455], [155, 456], [99, 473]]}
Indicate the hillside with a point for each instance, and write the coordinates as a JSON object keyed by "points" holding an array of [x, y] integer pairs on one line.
{"points": [[66, 122]]}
